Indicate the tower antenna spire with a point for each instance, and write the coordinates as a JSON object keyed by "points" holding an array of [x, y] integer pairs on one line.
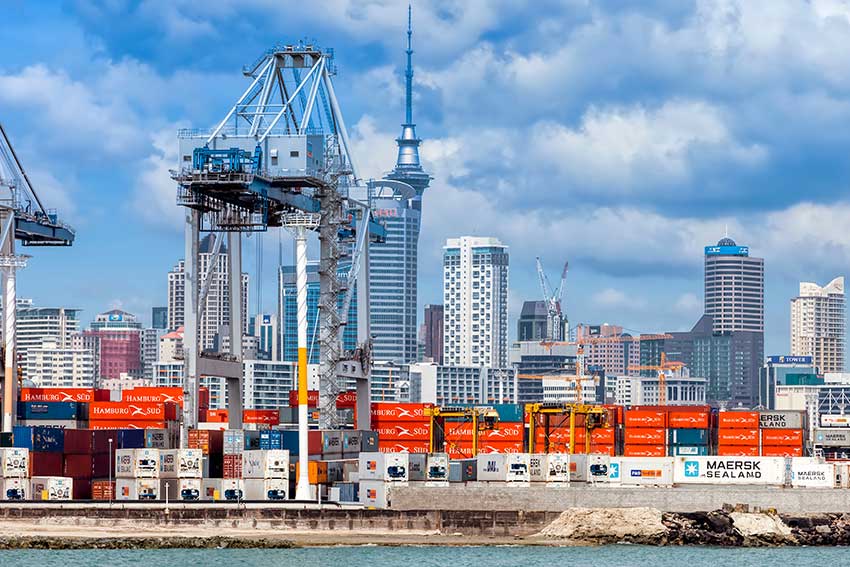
{"points": [[408, 75]]}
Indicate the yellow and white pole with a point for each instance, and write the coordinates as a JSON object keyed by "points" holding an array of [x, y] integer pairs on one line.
{"points": [[302, 488]]}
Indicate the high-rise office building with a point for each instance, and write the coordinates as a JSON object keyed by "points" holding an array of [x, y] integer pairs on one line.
{"points": [[115, 339], [475, 309], [159, 317], [533, 321], [35, 324], [52, 365], [394, 264], [734, 288], [217, 310], [434, 333], [266, 329], [817, 324]]}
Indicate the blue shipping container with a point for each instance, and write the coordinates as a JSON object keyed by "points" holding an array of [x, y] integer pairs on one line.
{"points": [[289, 440], [272, 439], [688, 450], [39, 438], [507, 412], [689, 436], [49, 410], [131, 438]]}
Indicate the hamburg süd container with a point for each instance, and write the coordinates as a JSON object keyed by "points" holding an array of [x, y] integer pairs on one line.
{"points": [[267, 489], [375, 493], [137, 463], [51, 488], [15, 462], [729, 470], [14, 488], [180, 463], [186, 489], [265, 464], [137, 489], [437, 468], [229, 489], [390, 467]]}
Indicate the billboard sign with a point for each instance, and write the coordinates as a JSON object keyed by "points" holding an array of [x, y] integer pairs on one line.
{"points": [[727, 250], [788, 359]]}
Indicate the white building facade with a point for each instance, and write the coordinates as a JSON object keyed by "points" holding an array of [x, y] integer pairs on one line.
{"points": [[817, 324], [475, 294], [51, 365]]}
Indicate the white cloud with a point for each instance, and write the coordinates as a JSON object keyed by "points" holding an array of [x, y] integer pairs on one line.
{"points": [[688, 304], [155, 193], [610, 297]]}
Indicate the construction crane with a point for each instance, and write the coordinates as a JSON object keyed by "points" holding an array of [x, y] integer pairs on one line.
{"points": [[554, 314], [23, 217], [481, 418], [662, 369], [594, 417]]}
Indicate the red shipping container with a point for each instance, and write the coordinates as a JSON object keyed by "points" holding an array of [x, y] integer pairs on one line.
{"points": [[687, 420], [645, 418], [119, 424], [738, 420], [388, 412], [792, 437], [102, 463], [404, 432], [78, 466], [404, 447], [781, 451], [130, 411], [506, 431], [46, 464], [346, 400], [203, 398], [602, 435], [79, 442], [603, 450], [57, 395], [214, 416], [645, 436], [101, 440], [737, 436], [81, 489], [265, 417], [103, 490], [312, 398], [232, 466], [645, 451], [737, 451], [212, 442], [156, 394], [500, 447]]}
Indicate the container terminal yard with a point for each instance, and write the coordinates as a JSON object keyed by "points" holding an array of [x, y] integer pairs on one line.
{"points": [[280, 157]]}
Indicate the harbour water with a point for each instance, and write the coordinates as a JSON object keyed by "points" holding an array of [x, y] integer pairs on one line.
{"points": [[490, 556]]}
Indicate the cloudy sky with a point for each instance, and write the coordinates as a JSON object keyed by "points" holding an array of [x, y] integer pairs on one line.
{"points": [[623, 136]]}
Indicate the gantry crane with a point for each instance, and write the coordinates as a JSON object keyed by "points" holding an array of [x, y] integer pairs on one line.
{"points": [[481, 418], [22, 217], [662, 374], [554, 312], [594, 417]]}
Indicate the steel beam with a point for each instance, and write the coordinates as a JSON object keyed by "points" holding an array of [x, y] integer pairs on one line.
{"points": [[237, 324], [191, 313]]}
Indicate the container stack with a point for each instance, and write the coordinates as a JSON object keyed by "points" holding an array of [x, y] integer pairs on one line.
{"points": [[45, 445], [265, 474], [738, 434], [688, 431], [16, 482], [64, 415], [211, 444], [181, 474], [133, 415], [51, 488], [232, 447], [137, 474], [645, 433], [377, 471], [781, 433], [87, 457], [403, 428]]}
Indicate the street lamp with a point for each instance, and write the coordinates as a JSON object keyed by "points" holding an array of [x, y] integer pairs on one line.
{"points": [[111, 488]]}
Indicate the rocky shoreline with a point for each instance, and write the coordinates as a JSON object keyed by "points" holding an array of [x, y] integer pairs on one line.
{"points": [[167, 542]]}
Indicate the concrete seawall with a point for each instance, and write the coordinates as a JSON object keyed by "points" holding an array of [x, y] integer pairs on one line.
{"points": [[480, 496]]}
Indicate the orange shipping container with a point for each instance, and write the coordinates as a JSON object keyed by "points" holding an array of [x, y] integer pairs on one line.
{"points": [[57, 395], [502, 447], [782, 451], [603, 436], [122, 424], [267, 417], [603, 449], [737, 451], [644, 451], [403, 432], [404, 447], [153, 394], [389, 412], [738, 420], [317, 471], [737, 436], [506, 431], [782, 437], [213, 416], [141, 411], [687, 420], [459, 451], [645, 418], [645, 436]]}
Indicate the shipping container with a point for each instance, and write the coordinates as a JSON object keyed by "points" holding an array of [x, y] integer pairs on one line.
{"points": [[413, 447], [159, 438], [78, 466], [374, 494], [729, 470], [645, 436], [554, 467], [396, 412], [688, 419], [602, 436], [210, 442], [645, 418], [131, 438], [57, 395], [781, 451], [79, 442], [81, 489], [354, 441], [103, 490], [437, 467], [231, 466], [180, 463], [229, 489], [812, 475], [273, 439], [645, 451], [261, 417], [46, 464], [153, 394], [343, 492], [234, 442], [832, 437], [737, 450], [265, 464], [500, 447], [137, 463], [127, 411], [120, 424], [64, 424], [597, 468], [410, 431], [603, 449], [14, 462], [737, 436], [390, 467], [782, 437], [464, 470], [317, 471], [290, 442], [69, 411], [185, 489], [137, 488], [15, 488], [51, 488], [637, 471], [504, 467], [266, 489], [417, 465], [504, 432], [337, 470], [39, 439], [688, 450], [332, 443], [781, 419], [688, 437], [578, 468], [738, 420], [834, 420]]}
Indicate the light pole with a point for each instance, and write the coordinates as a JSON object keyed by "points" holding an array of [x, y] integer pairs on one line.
{"points": [[111, 488], [166, 498]]}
